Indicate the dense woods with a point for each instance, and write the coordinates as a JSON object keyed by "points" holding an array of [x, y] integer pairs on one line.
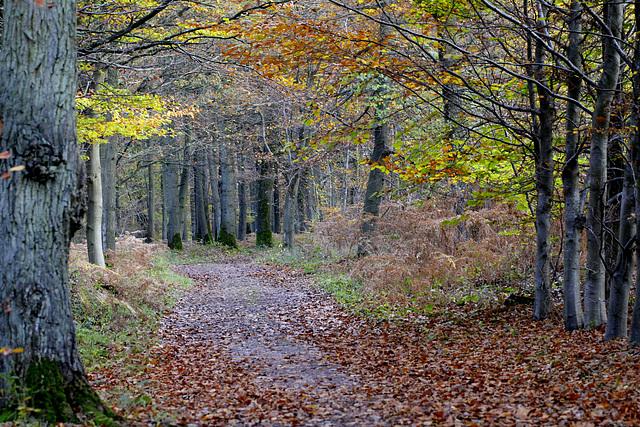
{"points": [[443, 147]]}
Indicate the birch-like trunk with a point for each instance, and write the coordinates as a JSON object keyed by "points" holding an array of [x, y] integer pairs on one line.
{"points": [[595, 308], [574, 219]]}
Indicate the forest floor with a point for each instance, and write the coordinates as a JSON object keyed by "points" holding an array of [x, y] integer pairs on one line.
{"points": [[254, 344]]}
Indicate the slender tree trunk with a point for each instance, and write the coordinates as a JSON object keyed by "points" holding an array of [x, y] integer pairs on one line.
{"points": [[634, 332], [242, 210], [165, 201], [574, 219], [174, 216], [594, 288], [94, 211], [109, 218], [290, 209], [94, 192], [151, 202], [215, 193], [40, 209], [183, 192], [622, 275], [264, 237], [276, 206], [229, 199], [543, 144]]}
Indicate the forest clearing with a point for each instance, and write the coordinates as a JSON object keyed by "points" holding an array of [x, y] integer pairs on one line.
{"points": [[319, 212]]}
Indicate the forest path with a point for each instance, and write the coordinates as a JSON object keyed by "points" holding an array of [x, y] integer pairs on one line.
{"points": [[250, 344], [242, 347]]}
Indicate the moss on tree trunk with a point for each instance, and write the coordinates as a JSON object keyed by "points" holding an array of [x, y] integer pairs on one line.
{"points": [[45, 395], [175, 242], [228, 239]]}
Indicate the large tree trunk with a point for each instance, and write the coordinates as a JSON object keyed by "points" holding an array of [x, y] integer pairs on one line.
{"points": [[543, 145], [174, 217], [229, 199], [594, 288], [39, 212], [574, 220], [202, 226]]}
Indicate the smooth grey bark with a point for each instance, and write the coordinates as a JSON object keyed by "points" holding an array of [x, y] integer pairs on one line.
{"points": [[94, 207], [214, 180], [634, 331], [229, 197], [94, 192], [40, 209], [543, 151], [574, 218], [277, 227], [183, 189], [290, 209], [594, 288], [622, 274], [151, 200], [165, 201], [108, 157], [109, 218], [264, 237], [242, 210], [202, 226]]}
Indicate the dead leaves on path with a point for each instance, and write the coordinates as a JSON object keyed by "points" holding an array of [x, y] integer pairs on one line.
{"points": [[462, 367]]}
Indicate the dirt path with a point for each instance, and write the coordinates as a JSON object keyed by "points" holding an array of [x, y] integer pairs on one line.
{"points": [[255, 326], [257, 345]]}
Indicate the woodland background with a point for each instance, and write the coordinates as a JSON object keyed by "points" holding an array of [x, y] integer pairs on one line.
{"points": [[441, 153]]}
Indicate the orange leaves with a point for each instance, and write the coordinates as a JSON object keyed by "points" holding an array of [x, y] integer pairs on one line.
{"points": [[5, 155]]}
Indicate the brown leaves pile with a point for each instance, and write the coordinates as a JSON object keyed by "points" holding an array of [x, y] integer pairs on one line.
{"points": [[457, 367]]}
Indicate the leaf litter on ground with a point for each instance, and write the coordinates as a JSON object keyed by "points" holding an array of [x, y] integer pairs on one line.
{"points": [[260, 345]]}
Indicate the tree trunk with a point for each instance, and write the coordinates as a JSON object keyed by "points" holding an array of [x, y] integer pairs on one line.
{"points": [[634, 332], [277, 228], [543, 146], [215, 193], [183, 192], [264, 237], [40, 209], [594, 288], [94, 211], [151, 202], [574, 220], [242, 210], [229, 199], [109, 218], [290, 209], [202, 226], [622, 274], [372, 197], [165, 201]]}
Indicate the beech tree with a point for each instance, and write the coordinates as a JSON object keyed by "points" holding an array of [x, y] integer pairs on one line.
{"points": [[39, 211]]}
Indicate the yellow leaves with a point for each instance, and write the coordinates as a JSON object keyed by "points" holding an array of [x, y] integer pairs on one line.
{"points": [[6, 351]]}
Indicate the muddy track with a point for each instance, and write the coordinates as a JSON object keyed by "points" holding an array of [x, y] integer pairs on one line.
{"points": [[264, 323]]}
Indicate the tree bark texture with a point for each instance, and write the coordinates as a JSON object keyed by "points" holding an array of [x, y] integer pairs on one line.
{"points": [[94, 207], [594, 288], [40, 209], [109, 219], [290, 209], [543, 145], [151, 200], [229, 199], [622, 274], [264, 237], [574, 219]]}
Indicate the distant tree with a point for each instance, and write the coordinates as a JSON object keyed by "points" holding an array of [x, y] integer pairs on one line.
{"points": [[39, 211]]}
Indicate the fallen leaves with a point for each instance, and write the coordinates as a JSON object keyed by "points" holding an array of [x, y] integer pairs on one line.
{"points": [[244, 345]]}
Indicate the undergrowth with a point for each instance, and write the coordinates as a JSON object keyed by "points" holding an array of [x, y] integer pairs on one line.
{"points": [[419, 259], [119, 307]]}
